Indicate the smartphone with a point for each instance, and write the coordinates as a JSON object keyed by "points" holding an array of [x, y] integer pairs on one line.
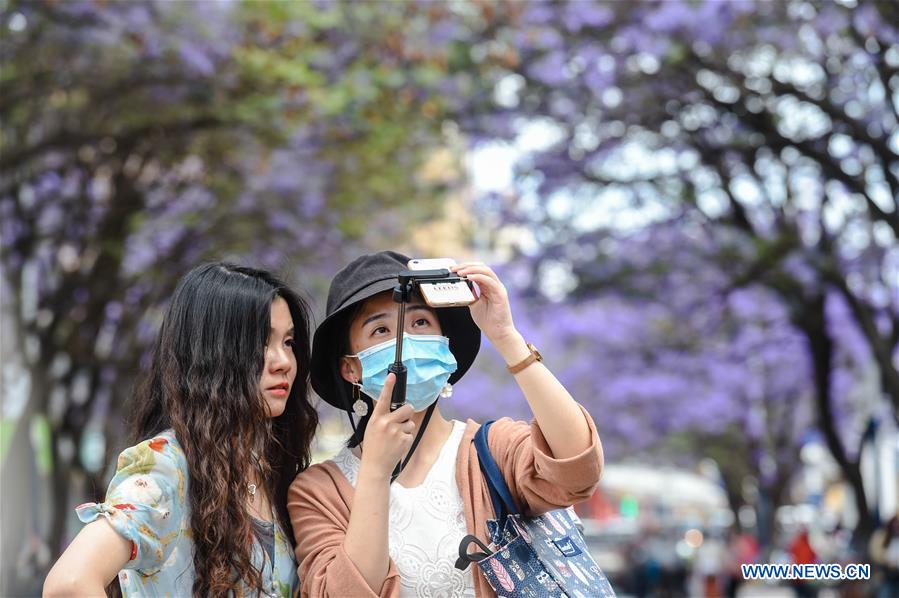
{"points": [[442, 294]]}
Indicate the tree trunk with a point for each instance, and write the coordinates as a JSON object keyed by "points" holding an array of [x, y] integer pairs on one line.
{"points": [[17, 508], [765, 513], [734, 500], [812, 321], [61, 480]]}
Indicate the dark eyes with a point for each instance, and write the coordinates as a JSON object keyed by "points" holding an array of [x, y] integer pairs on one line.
{"points": [[416, 323], [289, 342]]}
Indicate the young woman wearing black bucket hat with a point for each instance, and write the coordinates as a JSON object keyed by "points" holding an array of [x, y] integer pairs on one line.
{"points": [[364, 531]]}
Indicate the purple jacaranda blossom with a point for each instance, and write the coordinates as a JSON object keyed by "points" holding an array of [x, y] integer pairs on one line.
{"points": [[196, 58], [598, 79], [444, 32], [577, 15], [668, 17], [852, 344], [539, 12], [51, 219], [550, 69]]}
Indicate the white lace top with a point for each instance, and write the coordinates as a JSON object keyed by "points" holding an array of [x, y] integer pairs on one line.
{"points": [[426, 525]]}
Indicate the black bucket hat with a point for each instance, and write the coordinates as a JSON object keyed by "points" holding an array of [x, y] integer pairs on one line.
{"points": [[365, 277]]}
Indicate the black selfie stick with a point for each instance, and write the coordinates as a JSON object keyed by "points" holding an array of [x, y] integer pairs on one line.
{"points": [[402, 293]]}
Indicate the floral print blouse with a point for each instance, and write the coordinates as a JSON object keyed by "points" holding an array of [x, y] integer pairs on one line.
{"points": [[147, 503]]}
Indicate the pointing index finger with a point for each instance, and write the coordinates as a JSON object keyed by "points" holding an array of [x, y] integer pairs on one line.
{"points": [[382, 405]]}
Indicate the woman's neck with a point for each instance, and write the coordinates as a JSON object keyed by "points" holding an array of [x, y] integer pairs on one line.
{"points": [[428, 449], [435, 434]]}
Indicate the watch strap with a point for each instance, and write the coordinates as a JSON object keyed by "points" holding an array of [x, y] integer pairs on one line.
{"points": [[533, 357]]}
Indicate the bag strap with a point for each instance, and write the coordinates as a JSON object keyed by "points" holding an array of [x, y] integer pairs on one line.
{"points": [[465, 557], [503, 503]]}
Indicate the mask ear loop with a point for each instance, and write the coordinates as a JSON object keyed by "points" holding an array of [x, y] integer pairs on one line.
{"points": [[349, 414], [356, 396]]}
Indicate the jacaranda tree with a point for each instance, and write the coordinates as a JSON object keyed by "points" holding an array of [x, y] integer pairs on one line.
{"points": [[769, 129], [142, 138]]}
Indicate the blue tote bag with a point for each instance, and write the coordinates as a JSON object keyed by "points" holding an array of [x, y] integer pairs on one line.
{"points": [[535, 557]]}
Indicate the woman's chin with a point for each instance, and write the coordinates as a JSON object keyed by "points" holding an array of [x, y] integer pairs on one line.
{"points": [[275, 407]]}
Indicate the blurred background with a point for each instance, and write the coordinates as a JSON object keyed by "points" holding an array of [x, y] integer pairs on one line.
{"points": [[692, 202]]}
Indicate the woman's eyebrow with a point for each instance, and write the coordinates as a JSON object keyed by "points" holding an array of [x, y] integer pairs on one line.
{"points": [[290, 331], [373, 317], [420, 307]]}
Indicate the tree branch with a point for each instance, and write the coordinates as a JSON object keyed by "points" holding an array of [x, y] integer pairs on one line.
{"points": [[764, 124], [881, 351], [859, 131], [71, 140]]}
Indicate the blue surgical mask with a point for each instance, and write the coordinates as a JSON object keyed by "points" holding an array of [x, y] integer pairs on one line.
{"points": [[427, 358]]}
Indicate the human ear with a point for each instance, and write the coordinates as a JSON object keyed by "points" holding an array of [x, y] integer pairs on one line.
{"points": [[350, 369]]}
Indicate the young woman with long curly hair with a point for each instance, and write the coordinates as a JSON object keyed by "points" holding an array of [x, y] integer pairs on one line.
{"points": [[222, 423]]}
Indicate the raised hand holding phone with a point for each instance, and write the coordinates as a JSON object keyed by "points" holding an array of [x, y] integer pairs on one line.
{"points": [[491, 312], [455, 293]]}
